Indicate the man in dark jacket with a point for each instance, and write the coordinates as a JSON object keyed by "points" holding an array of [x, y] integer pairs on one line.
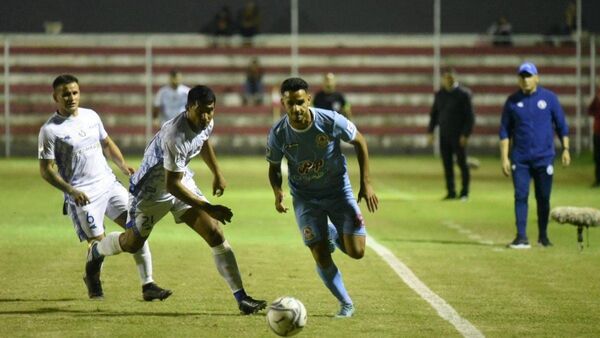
{"points": [[452, 111]]}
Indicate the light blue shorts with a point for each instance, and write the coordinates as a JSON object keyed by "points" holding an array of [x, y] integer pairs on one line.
{"points": [[342, 210]]}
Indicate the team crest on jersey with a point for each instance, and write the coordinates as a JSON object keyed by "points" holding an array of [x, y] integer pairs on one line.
{"points": [[308, 234], [520, 105], [82, 133], [322, 140], [542, 104]]}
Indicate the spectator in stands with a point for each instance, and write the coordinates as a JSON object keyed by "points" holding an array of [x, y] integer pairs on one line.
{"points": [[529, 119], [223, 26], [170, 99], [253, 87], [594, 111], [249, 22], [453, 112], [501, 32], [329, 98]]}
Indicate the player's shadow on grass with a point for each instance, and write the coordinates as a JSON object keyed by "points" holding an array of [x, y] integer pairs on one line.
{"points": [[102, 313], [21, 300]]}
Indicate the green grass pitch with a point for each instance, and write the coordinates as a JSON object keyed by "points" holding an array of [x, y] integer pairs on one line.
{"points": [[457, 249]]}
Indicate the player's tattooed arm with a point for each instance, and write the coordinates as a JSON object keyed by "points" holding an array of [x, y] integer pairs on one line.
{"points": [[50, 174], [276, 180]]}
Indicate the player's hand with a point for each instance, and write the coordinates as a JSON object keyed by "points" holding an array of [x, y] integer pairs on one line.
{"points": [[127, 170], [566, 158], [367, 193], [429, 139], [463, 140], [219, 185], [279, 206], [79, 197], [506, 167], [219, 212]]}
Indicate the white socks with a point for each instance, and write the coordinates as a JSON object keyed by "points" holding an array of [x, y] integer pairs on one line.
{"points": [[143, 260], [109, 245], [227, 265]]}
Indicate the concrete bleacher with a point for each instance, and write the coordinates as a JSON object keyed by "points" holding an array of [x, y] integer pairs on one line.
{"points": [[387, 79]]}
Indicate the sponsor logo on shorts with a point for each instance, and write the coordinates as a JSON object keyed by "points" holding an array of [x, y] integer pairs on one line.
{"points": [[550, 169], [308, 234]]}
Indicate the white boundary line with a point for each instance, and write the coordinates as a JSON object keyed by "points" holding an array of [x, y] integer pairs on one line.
{"points": [[443, 309]]}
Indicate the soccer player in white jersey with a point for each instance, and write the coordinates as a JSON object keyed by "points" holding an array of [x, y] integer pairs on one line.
{"points": [[170, 99], [164, 183], [71, 146], [309, 138]]}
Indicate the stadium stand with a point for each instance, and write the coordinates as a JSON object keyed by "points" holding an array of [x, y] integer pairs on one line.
{"points": [[388, 80]]}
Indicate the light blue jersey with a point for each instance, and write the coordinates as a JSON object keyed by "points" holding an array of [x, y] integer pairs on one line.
{"points": [[316, 165], [318, 176]]}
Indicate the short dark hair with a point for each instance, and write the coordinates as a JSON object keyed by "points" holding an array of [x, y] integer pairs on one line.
{"points": [[293, 84], [64, 79], [201, 95], [173, 72]]}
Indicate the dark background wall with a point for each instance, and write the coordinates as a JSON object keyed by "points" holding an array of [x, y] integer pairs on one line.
{"points": [[317, 16]]}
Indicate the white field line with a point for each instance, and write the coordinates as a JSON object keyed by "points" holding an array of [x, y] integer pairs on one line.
{"points": [[464, 231], [443, 309]]}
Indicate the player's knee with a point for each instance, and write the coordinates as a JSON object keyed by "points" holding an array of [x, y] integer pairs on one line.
{"points": [[214, 237]]}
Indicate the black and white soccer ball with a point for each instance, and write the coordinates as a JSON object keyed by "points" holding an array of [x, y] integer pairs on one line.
{"points": [[286, 316]]}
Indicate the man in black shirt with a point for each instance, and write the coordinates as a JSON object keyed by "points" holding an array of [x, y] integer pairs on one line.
{"points": [[452, 111], [328, 98]]}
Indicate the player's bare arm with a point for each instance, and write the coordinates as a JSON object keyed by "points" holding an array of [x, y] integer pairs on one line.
{"points": [[275, 178], [504, 145], [366, 191], [176, 188], [49, 173], [112, 151], [208, 155]]}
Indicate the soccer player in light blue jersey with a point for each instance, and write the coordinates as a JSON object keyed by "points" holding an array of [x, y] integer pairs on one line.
{"points": [[309, 138], [164, 183]]}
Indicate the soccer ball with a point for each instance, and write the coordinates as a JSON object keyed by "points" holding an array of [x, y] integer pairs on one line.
{"points": [[286, 316]]}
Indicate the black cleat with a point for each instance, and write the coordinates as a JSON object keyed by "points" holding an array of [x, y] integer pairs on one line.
{"points": [[248, 305], [92, 274], [519, 243], [151, 291], [449, 197], [94, 286], [544, 241]]}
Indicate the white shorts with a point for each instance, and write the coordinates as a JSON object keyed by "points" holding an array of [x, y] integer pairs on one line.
{"points": [[145, 213], [88, 220]]}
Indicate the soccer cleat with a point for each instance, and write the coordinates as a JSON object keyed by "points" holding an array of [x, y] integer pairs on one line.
{"points": [[464, 197], [248, 305], [151, 291], [94, 286], [346, 311], [92, 274], [449, 197], [544, 241], [519, 243]]}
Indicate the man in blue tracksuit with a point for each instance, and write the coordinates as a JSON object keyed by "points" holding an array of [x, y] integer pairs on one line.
{"points": [[529, 120]]}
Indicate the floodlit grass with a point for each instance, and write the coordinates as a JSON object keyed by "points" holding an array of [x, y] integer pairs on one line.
{"points": [[457, 249]]}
